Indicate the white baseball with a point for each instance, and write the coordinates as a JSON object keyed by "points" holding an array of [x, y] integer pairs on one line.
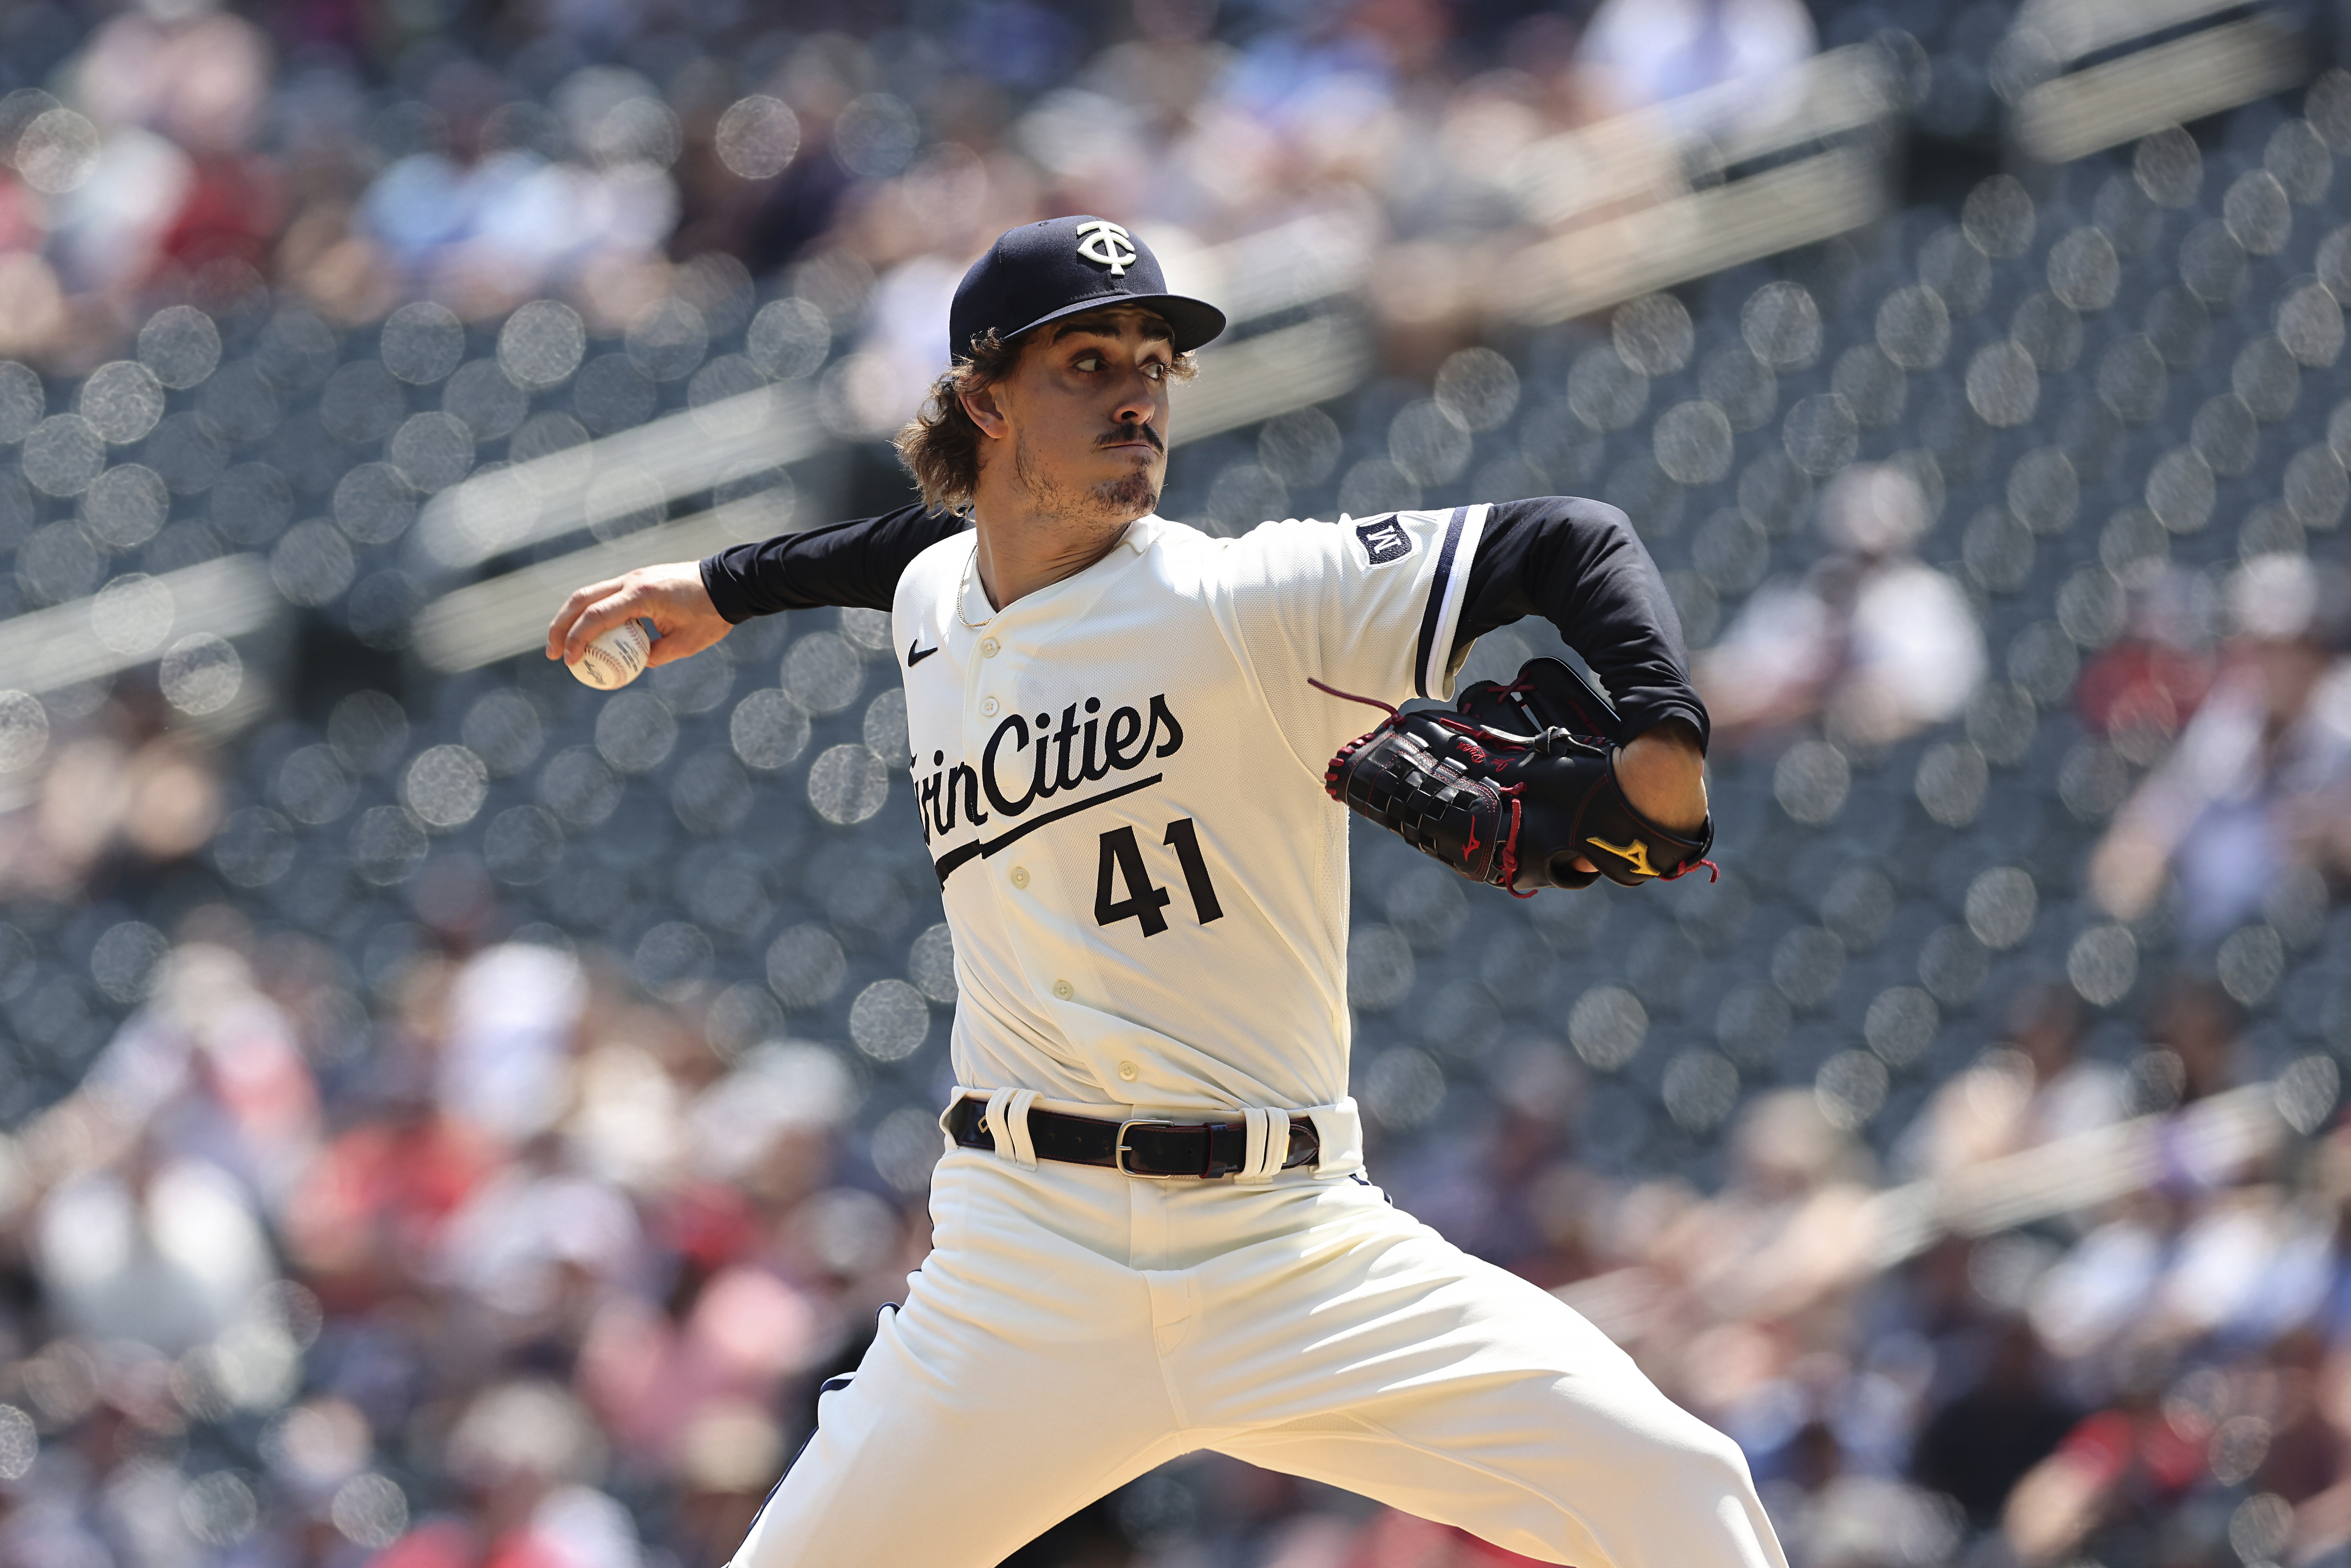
{"points": [[615, 658]]}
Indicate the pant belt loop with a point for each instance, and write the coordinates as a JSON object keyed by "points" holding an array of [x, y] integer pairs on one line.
{"points": [[1268, 1147], [1340, 1129], [1007, 1122]]}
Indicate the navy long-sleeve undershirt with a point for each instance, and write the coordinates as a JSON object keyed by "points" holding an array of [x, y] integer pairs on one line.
{"points": [[1577, 563]]}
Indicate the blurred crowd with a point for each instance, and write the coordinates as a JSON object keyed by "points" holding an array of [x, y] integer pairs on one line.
{"points": [[502, 1262], [2231, 690], [355, 157], [520, 1271], [440, 1128]]}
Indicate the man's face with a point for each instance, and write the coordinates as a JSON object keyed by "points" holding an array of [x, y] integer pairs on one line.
{"points": [[1086, 415]]}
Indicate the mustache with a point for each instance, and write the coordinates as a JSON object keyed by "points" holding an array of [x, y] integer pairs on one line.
{"points": [[1125, 432]]}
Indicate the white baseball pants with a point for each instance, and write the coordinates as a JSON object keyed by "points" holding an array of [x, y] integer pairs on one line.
{"points": [[1074, 1328]]}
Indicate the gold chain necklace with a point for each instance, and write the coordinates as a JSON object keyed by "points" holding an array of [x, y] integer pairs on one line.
{"points": [[962, 592]]}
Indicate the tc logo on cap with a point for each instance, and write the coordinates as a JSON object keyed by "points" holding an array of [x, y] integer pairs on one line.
{"points": [[1107, 244]]}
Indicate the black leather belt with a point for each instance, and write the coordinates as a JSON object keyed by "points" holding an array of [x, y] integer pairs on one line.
{"points": [[1134, 1148]]}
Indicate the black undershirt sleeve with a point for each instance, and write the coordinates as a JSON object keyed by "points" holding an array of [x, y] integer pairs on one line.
{"points": [[1575, 563], [856, 564], [1580, 566]]}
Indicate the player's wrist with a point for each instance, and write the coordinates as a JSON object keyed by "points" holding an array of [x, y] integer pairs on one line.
{"points": [[1662, 772], [684, 582], [724, 590]]}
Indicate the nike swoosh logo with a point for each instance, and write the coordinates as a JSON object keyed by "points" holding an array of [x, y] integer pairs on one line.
{"points": [[916, 653]]}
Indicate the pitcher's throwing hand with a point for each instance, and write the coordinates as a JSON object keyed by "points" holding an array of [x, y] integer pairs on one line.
{"points": [[672, 597]]}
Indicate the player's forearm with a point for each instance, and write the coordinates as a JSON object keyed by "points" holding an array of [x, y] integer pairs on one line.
{"points": [[1578, 564], [855, 564]]}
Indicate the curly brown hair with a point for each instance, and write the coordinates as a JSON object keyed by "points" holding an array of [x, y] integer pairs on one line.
{"points": [[940, 445]]}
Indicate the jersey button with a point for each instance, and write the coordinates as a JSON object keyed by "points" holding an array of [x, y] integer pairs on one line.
{"points": [[987, 647], [1129, 1071], [1063, 990], [1020, 876], [988, 705]]}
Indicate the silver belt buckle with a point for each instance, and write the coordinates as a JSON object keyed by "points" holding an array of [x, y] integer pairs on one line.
{"points": [[1118, 1155]]}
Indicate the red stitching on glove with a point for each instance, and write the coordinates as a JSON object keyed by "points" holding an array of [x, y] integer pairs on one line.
{"points": [[1510, 850]]}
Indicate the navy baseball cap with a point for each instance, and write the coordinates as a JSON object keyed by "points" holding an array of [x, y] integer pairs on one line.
{"points": [[1062, 267]]}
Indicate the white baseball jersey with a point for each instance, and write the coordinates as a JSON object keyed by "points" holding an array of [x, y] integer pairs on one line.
{"points": [[1120, 778]]}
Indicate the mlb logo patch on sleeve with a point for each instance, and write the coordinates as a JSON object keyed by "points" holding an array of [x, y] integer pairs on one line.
{"points": [[1385, 539]]}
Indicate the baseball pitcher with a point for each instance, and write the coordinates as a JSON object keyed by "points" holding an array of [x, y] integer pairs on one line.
{"points": [[1133, 760]]}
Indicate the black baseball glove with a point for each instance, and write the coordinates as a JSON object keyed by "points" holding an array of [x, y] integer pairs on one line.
{"points": [[1513, 787]]}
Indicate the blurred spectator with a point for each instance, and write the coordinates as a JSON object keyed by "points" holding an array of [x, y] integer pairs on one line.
{"points": [[487, 220], [1981, 1442], [2113, 1478], [2139, 689], [2193, 1027], [797, 204], [2257, 785], [1873, 643], [163, 1253], [1783, 1236], [211, 1071], [1638, 54], [1856, 1520], [2034, 1088], [372, 1214], [512, 1014]]}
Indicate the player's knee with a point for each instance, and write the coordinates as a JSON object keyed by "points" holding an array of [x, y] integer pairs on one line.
{"points": [[1700, 1465], [1664, 1465]]}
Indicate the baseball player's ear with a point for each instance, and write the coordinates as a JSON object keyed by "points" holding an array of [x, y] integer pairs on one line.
{"points": [[985, 411]]}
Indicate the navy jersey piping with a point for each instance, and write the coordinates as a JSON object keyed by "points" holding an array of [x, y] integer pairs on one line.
{"points": [[1433, 611]]}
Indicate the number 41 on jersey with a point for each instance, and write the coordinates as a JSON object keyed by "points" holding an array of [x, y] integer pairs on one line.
{"points": [[1122, 862]]}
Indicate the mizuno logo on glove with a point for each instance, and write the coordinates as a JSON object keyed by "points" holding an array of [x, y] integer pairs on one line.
{"points": [[1635, 854]]}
